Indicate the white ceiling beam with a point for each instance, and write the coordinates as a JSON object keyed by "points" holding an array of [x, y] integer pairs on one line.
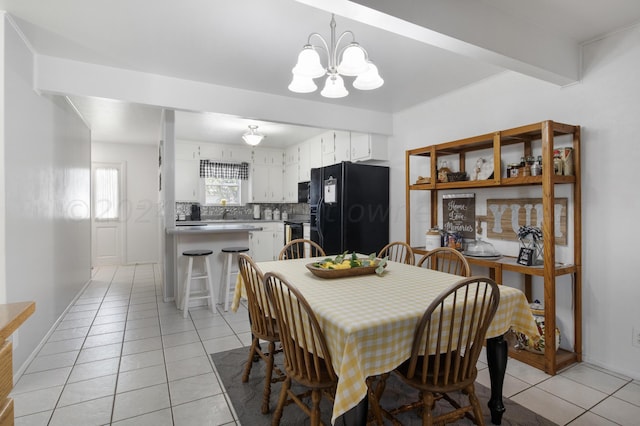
{"points": [[473, 29], [74, 78]]}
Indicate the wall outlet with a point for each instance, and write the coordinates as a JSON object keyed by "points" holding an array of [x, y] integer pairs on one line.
{"points": [[636, 337]]}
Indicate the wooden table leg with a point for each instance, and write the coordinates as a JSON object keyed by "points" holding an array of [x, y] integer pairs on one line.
{"points": [[497, 361]]}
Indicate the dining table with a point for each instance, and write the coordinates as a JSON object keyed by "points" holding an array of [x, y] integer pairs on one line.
{"points": [[369, 322]]}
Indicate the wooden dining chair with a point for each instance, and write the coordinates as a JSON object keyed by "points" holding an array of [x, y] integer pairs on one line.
{"points": [[446, 259], [299, 248], [263, 326], [398, 251], [452, 340], [306, 356]]}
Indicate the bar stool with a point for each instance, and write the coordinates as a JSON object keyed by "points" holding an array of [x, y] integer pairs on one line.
{"points": [[225, 279], [207, 293]]}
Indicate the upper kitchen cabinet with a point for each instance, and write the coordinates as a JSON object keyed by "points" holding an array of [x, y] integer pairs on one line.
{"points": [[187, 180], [225, 153], [267, 183], [267, 176], [366, 146], [290, 184], [267, 157], [291, 155], [342, 142], [187, 150], [336, 147], [310, 157]]}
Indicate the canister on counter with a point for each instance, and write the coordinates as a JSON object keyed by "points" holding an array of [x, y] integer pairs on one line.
{"points": [[434, 239]]}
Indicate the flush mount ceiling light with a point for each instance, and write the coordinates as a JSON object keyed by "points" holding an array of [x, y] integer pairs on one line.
{"points": [[354, 62], [252, 137]]}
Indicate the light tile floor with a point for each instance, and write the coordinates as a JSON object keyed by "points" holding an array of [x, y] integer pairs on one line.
{"points": [[120, 356]]}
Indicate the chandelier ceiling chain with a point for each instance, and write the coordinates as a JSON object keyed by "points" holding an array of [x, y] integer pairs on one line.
{"points": [[352, 61]]}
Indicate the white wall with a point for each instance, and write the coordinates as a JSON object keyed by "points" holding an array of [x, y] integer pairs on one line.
{"points": [[607, 106], [141, 192], [45, 201]]}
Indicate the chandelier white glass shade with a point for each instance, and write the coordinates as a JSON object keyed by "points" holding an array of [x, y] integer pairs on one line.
{"points": [[351, 61], [252, 137]]}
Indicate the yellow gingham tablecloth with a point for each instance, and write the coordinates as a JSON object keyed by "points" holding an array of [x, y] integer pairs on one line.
{"points": [[369, 320]]}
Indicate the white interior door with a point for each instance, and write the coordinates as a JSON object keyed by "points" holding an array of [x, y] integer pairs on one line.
{"points": [[107, 210]]}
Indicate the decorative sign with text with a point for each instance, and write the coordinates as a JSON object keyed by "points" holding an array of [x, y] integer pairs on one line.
{"points": [[459, 214], [505, 216], [526, 256]]}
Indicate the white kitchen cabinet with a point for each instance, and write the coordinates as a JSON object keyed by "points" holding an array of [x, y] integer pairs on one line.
{"points": [[187, 150], [278, 239], [276, 182], [314, 154], [261, 244], [211, 151], [342, 144], [336, 147], [310, 157], [266, 184], [224, 152], [290, 184], [327, 141], [266, 244], [291, 155], [187, 180], [267, 157], [304, 169], [366, 146]]}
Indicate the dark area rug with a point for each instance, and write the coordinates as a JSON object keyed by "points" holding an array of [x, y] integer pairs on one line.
{"points": [[247, 397]]}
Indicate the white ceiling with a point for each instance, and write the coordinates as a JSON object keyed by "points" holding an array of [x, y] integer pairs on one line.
{"points": [[253, 44]]}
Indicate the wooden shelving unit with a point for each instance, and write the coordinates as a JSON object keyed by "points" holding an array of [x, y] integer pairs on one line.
{"points": [[524, 136]]}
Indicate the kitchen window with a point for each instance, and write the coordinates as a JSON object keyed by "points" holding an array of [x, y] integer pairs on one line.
{"points": [[218, 189], [223, 181]]}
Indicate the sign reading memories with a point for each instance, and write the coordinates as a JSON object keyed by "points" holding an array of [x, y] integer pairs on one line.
{"points": [[459, 214]]}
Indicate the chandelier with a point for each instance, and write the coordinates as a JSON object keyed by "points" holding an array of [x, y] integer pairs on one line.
{"points": [[252, 137], [353, 62]]}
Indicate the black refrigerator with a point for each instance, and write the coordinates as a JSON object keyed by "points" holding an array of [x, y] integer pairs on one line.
{"points": [[349, 206]]}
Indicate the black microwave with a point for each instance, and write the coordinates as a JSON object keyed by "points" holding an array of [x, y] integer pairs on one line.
{"points": [[303, 192]]}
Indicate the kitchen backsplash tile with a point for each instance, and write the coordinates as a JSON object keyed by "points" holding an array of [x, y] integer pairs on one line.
{"points": [[295, 210]]}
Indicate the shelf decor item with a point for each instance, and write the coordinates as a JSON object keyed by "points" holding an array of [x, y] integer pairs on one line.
{"points": [[530, 238], [536, 344]]}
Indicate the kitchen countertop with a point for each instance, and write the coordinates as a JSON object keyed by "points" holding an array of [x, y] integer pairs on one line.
{"points": [[188, 227], [237, 221]]}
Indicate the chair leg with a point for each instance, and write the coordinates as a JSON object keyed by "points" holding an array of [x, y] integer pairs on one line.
{"points": [[427, 414], [282, 399], [475, 403], [266, 394], [316, 397], [375, 388], [252, 354]]}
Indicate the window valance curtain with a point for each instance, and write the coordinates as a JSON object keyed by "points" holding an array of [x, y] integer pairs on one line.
{"points": [[212, 169]]}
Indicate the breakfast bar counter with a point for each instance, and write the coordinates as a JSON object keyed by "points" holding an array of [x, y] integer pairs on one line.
{"points": [[200, 236]]}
